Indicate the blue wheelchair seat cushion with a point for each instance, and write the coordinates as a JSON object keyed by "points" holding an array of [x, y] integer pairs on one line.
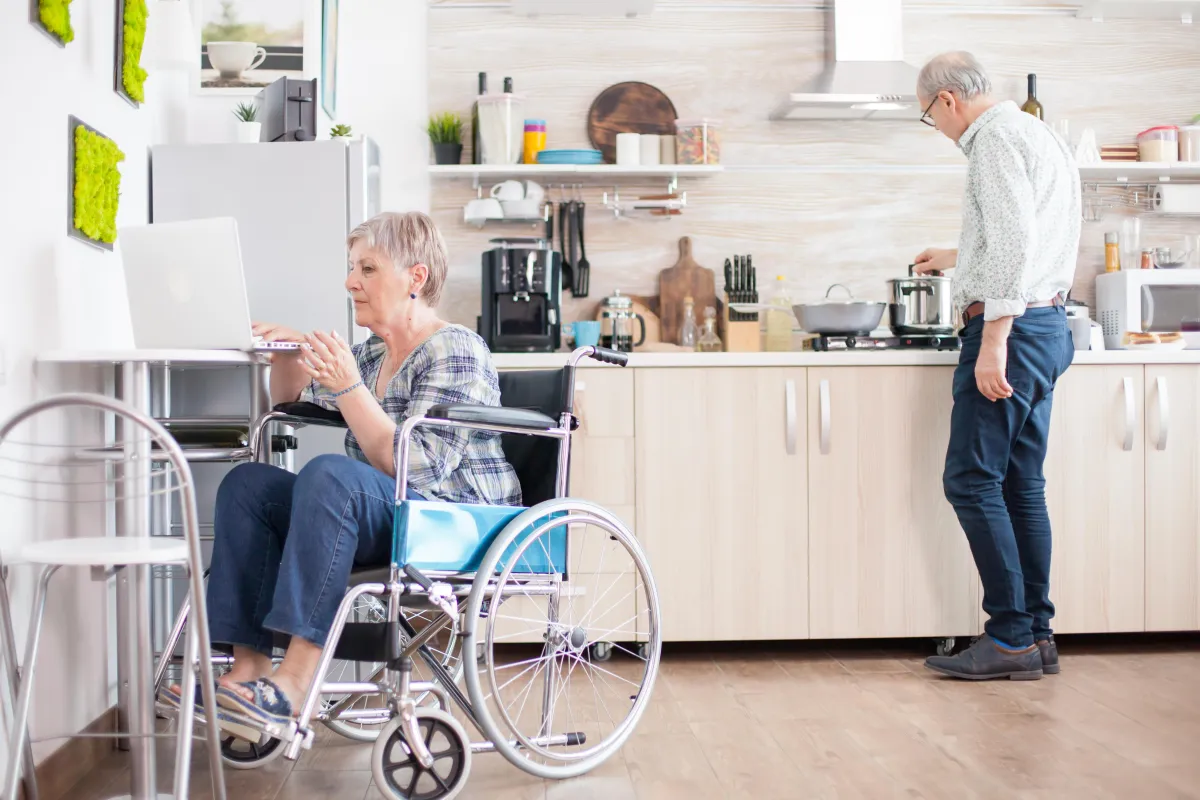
{"points": [[455, 537]]}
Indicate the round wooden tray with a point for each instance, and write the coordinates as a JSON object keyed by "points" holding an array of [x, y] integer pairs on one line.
{"points": [[630, 107]]}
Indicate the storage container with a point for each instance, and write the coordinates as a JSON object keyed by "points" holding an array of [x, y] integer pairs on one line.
{"points": [[501, 134], [535, 139], [1189, 143], [1160, 145], [697, 141]]}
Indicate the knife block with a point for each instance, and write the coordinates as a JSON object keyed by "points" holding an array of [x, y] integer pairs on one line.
{"points": [[738, 337]]}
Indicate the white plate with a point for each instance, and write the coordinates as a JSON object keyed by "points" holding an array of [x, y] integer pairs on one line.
{"points": [[1168, 347]]}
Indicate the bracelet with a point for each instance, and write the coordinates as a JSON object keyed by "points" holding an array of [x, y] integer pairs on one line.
{"points": [[347, 390]]}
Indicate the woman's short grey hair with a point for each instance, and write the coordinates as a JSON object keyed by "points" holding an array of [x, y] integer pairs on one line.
{"points": [[959, 73], [408, 239]]}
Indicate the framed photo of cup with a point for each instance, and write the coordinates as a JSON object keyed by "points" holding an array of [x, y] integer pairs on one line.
{"points": [[246, 45]]}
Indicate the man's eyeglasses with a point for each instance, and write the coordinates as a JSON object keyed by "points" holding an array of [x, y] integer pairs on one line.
{"points": [[928, 120]]}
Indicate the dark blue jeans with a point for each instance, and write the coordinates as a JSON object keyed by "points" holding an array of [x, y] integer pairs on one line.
{"points": [[284, 545], [994, 477]]}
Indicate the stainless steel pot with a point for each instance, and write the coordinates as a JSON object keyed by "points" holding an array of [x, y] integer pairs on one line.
{"points": [[845, 317], [921, 304]]}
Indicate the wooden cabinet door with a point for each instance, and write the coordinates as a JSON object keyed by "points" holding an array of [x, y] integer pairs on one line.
{"points": [[1172, 498], [886, 554], [1095, 471], [721, 500]]}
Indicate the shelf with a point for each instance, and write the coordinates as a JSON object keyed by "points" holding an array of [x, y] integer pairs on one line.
{"points": [[1139, 171], [477, 171], [1182, 10]]}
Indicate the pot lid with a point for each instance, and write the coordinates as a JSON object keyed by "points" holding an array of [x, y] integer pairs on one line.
{"points": [[618, 300]]}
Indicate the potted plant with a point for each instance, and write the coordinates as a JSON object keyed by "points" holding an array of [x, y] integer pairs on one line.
{"points": [[445, 132], [249, 129], [339, 132]]}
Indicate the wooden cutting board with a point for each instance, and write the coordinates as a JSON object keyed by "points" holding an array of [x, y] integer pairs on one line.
{"points": [[686, 278], [631, 107]]}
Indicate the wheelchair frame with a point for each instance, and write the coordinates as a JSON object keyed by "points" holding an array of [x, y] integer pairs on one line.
{"points": [[442, 591]]}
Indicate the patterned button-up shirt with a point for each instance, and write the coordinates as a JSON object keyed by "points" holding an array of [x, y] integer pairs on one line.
{"points": [[452, 464], [1021, 214]]}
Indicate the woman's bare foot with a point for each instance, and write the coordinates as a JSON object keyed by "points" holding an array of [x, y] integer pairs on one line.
{"points": [[293, 675], [248, 665]]}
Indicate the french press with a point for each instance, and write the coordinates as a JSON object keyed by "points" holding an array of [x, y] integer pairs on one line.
{"points": [[616, 323]]}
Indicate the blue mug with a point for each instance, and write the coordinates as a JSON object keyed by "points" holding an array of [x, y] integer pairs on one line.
{"points": [[587, 332]]}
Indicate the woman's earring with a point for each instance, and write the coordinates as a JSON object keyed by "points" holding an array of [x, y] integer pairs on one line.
{"points": [[413, 295]]}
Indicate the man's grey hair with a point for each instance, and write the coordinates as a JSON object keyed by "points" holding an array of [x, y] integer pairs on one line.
{"points": [[959, 73], [408, 239]]}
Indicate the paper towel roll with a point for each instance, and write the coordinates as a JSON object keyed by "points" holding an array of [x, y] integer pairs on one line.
{"points": [[1174, 198]]}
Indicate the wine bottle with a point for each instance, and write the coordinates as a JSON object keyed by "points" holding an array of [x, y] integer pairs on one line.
{"points": [[1032, 106], [508, 85], [476, 154]]}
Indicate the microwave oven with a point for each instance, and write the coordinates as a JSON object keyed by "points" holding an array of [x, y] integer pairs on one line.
{"points": [[1149, 301]]}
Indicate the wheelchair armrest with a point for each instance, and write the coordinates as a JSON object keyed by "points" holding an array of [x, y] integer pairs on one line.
{"points": [[492, 415], [312, 413]]}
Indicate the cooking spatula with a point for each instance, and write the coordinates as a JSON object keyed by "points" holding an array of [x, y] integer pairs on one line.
{"points": [[583, 270]]}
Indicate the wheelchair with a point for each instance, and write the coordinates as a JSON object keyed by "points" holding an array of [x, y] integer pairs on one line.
{"points": [[536, 625]]}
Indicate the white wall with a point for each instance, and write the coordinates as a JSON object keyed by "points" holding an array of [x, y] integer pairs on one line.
{"points": [[58, 292]]}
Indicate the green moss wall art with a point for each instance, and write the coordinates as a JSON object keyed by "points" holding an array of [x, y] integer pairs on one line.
{"points": [[53, 17], [95, 185], [130, 79]]}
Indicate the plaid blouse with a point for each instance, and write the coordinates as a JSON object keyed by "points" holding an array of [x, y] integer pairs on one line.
{"points": [[457, 465]]}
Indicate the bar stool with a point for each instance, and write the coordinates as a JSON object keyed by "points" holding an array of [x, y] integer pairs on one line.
{"points": [[37, 476]]}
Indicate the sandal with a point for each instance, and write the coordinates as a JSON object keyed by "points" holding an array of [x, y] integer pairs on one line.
{"points": [[270, 705], [170, 695]]}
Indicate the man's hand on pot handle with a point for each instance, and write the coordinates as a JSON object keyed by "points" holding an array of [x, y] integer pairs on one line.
{"points": [[934, 260]]}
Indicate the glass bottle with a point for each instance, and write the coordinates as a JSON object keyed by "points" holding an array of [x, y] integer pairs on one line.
{"points": [[780, 317], [687, 331], [1031, 105], [1112, 252], [709, 341]]}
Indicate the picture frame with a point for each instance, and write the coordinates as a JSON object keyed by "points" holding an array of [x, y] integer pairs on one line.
{"points": [[98, 171], [297, 58], [329, 56], [126, 24], [35, 19]]}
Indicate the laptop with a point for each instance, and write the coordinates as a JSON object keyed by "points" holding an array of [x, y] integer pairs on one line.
{"points": [[187, 289]]}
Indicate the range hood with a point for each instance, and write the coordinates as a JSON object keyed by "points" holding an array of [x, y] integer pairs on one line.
{"points": [[865, 77]]}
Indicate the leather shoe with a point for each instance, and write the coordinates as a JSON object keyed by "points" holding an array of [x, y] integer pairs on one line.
{"points": [[985, 660], [1049, 652]]}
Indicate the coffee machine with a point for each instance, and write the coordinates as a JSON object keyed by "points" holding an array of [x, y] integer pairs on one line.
{"points": [[522, 296]]}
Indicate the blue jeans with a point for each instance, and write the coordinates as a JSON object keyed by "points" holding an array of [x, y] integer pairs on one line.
{"points": [[994, 477], [285, 543]]}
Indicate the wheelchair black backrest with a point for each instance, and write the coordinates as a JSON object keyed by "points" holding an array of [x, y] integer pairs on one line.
{"points": [[535, 458]]}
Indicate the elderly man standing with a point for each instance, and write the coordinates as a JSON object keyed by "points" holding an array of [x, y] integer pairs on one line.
{"points": [[1014, 266]]}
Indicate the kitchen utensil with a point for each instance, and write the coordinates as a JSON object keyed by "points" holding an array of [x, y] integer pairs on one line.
{"points": [[583, 270], [564, 233], [685, 278], [633, 107], [844, 317], [644, 306], [1081, 331], [617, 322], [920, 304]]}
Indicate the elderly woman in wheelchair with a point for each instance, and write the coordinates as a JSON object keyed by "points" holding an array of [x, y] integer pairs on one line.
{"points": [[456, 485]]}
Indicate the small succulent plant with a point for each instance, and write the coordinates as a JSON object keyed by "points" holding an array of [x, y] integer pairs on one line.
{"points": [[445, 128], [246, 112], [339, 130]]}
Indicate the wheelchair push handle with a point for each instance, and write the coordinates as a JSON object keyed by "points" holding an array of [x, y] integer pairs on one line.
{"points": [[609, 356]]}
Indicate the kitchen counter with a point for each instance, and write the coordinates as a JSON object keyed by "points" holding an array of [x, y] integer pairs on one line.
{"points": [[885, 358]]}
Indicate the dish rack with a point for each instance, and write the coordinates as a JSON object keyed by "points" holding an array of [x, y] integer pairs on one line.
{"points": [[666, 206]]}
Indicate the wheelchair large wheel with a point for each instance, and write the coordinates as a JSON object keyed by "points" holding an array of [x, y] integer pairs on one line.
{"points": [[445, 649], [547, 705], [396, 771]]}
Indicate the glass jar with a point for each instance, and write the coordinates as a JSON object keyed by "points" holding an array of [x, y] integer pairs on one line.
{"points": [[697, 141], [1189, 143], [500, 128], [1160, 145], [709, 342]]}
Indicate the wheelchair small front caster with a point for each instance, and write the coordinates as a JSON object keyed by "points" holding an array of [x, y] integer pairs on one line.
{"points": [[601, 651], [399, 776], [945, 646], [238, 753]]}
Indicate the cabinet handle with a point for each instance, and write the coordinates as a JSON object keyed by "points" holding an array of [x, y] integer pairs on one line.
{"points": [[789, 405], [1130, 417], [823, 393], [1164, 413]]}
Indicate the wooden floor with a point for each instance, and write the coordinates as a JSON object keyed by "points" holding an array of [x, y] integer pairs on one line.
{"points": [[1121, 721]]}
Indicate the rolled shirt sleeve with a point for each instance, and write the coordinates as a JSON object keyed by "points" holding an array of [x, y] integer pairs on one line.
{"points": [[1008, 206]]}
